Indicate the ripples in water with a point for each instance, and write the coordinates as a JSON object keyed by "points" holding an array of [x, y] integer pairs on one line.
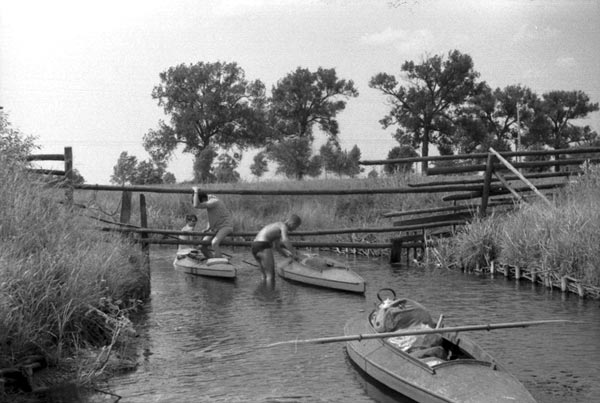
{"points": [[202, 336]]}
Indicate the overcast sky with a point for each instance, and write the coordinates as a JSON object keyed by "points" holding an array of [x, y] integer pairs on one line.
{"points": [[81, 73]]}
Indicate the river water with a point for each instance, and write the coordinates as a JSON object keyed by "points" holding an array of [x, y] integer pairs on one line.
{"points": [[200, 335]]}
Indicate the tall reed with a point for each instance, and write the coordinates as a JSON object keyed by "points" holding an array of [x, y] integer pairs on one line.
{"points": [[54, 272], [564, 238]]}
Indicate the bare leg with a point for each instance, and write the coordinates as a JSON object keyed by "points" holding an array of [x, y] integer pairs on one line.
{"points": [[267, 264], [216, 241], [204, 248]]}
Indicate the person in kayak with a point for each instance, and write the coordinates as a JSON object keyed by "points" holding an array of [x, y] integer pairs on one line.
{"points": [[274, 236], [190, 224], [219, 221]]}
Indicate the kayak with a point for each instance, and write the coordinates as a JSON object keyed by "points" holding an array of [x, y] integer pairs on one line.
{"points": [[321, 272], [193, 262], [457, 370]]}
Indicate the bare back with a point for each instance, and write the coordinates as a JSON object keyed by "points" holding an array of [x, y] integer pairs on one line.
{"points": [[277, 231]]}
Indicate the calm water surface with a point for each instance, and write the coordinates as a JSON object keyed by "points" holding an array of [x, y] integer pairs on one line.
{"points": [[200, 336]]}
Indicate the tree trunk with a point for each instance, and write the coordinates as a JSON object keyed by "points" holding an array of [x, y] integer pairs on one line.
{"points": [[425, 152]]}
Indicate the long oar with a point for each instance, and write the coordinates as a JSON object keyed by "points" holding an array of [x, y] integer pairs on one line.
{"points": [[471, 328]]}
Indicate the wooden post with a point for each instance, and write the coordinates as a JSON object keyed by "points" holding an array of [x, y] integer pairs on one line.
{"points": [[564, 283], [492, 268], [126, 207], [145, 245], [69, 175], [580, 289], [487, 182], [396, 251], [517, 273]]}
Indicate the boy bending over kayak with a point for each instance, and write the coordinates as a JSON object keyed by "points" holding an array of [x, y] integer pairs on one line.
{"points": [[274, 235]]}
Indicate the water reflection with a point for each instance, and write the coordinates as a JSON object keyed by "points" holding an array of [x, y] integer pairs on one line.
{"points": [[202, 337], [267, 292]]}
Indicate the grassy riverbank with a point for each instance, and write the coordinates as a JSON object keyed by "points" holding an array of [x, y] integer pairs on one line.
{"points": [[563, 238], [65, 289]]}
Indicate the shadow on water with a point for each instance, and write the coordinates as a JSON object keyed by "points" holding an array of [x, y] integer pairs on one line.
{"points": [[200, 338]]}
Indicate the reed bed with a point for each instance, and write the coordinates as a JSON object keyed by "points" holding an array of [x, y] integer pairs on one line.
{"points": [[563, 239], [63, 286]]}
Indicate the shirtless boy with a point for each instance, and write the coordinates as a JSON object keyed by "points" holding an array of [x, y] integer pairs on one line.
{"points": [[274, 235]]}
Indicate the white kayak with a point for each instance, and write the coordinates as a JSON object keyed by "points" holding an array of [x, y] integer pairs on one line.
{"points": [[322, 272], [192, 261]]}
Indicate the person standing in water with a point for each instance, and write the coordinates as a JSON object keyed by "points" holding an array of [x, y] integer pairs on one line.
{"points": [[219, 221], [274, 236]]}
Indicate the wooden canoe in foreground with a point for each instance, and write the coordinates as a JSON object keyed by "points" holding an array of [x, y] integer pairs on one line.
{"points": [[469, 375], [191, 262], [321, 272]]}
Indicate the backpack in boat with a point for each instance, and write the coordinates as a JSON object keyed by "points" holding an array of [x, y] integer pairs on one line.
{"points": [[404, 314]]}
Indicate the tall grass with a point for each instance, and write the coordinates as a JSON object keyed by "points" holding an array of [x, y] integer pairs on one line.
{"points": [[56, 274], [564, 238]]}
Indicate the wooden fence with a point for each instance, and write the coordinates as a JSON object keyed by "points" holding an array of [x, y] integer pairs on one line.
{"points": [[491, 186], [66, 175], [416, 228]]}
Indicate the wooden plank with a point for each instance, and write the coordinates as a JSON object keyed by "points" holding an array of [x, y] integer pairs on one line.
{"points": [[516, 172], [440, 219], [479, 179], [281, 192], [299, 244], [430, 210], [507, 186], [46, 157], [42, 171], [566, 151], [530, 164]]}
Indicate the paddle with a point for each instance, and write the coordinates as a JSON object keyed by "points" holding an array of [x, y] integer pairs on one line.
{"points": [[471, 328]]}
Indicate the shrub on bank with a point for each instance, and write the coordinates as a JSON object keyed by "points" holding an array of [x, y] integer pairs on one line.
{"points": [[64, 285]]}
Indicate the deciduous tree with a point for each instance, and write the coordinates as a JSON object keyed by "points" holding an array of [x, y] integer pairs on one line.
{"points": [[299, 102], [259, 164], [399, 152], [341, 162], [125, 170], [209, 105], [435, 88], [293, 158], [554, 113]]}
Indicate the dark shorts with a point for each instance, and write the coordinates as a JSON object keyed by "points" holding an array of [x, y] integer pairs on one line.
{"points": [[258, 246]]}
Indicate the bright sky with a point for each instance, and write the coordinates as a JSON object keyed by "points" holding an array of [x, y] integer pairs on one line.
{"points": [[80, 73]]}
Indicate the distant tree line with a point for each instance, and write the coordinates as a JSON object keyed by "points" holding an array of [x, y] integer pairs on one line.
{"points": [[216, 114]]}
